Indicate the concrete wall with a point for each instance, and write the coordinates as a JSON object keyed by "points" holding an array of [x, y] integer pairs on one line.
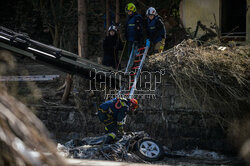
{"points": [[248, 22], [176, 129], [192, 11]]}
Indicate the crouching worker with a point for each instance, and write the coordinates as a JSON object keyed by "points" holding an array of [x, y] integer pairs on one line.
{"points": [[156, 32], [111, 46], [113, 114]]}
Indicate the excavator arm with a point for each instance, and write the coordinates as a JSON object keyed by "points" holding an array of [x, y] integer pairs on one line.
{"points": [[63, 60]]}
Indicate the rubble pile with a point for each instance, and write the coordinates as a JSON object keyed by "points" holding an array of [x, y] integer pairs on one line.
{"points": [[130, 147], [113, 152], [117, 152], [207, 75]]}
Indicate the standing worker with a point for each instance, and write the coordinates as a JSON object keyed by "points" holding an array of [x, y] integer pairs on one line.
{"points": [[111, 46], [133, 29], [113, 114], [156, 31]]}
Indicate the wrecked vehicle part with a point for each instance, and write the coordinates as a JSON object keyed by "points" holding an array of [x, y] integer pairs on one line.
{"points": [[149, 150], [134, 146]]}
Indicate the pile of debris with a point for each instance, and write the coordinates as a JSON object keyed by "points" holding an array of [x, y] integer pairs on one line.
{"points": [[94, 148], [208, 75], [112, 152], [117, 152]]}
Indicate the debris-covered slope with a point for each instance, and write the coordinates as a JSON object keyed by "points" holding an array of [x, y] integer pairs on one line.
{"points": [[208, 75]]}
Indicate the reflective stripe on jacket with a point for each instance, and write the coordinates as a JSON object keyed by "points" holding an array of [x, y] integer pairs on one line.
{"points": [[108, 110], [155, 29], [133, 22]]}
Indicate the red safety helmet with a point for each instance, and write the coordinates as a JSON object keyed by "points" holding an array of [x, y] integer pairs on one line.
{"points": [[133, 104]]}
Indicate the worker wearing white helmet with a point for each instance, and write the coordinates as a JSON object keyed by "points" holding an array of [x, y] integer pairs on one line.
{"points": [[156, 32]]}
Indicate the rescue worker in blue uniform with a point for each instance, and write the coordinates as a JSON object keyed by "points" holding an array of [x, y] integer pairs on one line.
{"points": [[156, 31], [134, 27], [113, 114]]}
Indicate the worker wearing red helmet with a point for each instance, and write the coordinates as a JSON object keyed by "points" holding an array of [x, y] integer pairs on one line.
{"points": [[113, 114]]}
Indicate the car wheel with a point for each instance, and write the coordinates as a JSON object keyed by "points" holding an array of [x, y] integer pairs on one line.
{"points": [[149, 149]]}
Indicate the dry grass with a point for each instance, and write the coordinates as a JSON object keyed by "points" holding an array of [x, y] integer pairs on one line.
{"points": [[208, 77]]}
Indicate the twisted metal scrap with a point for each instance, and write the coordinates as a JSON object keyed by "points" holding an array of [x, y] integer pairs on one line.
{"points": [[113, 152]]}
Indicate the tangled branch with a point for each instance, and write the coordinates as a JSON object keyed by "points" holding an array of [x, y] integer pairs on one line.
{"points": [[210, 77]]}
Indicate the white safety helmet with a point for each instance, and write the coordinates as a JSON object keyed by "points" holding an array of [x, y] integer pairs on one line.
{"points": [[112, 27], [151, 11]]}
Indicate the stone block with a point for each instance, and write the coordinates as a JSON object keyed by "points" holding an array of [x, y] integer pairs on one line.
{"points": [[170, 90], [187, 121], [173, 132], [179, 102], [165, 102]]}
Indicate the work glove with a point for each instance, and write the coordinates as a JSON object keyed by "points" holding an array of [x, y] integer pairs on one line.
{"points": [[148, 42], [162, 45], [163, 41]]}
